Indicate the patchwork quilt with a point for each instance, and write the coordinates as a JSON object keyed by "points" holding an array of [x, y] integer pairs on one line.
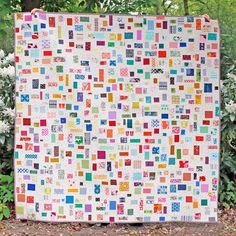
{"points": [[117, 118]]}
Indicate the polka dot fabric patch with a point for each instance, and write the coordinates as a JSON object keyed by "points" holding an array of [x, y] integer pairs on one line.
{"points": [[117, 118]]}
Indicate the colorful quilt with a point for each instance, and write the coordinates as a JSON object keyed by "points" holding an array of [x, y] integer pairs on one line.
{"points": [[117, 118]]}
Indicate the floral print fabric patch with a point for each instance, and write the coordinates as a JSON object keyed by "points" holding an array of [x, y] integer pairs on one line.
{"points": [[117, 118]]}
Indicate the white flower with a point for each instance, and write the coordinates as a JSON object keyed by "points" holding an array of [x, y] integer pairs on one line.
{"points": [[9, 58], [11, 72], [231, 107], [221, 114], [9, 147], [9, 112], [231, 76], [8, 71], [4, 127], [1, 84], [1, 102], [2, 53], [221, 83]]}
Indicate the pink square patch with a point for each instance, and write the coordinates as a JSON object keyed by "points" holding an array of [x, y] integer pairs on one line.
{"points": [[204, 188]]}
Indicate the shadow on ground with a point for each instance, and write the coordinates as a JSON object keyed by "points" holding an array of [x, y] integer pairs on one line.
{"points": [[225, 227]]}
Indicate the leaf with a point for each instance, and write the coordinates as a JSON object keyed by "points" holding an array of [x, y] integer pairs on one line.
{"points": [[2, 139], [3, 178], [232, 117], [222, 196], [6, 212], [1, 216]]}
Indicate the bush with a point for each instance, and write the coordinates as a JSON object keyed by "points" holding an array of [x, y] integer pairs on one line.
{"points": [[7, 115], [228, 133], [7, 110]]}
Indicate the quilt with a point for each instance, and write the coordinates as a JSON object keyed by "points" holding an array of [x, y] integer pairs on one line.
{"points": [[117, 118]]}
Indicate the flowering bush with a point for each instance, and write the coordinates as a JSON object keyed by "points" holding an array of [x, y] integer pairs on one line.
{"points": [[228, 133], [7, 110], [7, 119]]}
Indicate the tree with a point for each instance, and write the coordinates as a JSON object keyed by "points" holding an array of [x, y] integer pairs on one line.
{"points": [[186, 9], [28, 5]]}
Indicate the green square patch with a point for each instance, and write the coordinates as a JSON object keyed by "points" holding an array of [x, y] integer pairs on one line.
{"points": [[147, 75], [204, 202], [85, 164], [111, 44], [130, 62], [88, 176], [79, 139], [140, 71], [130, 212], [59, 69], [80, 155], [16, 155], [68, 106]]}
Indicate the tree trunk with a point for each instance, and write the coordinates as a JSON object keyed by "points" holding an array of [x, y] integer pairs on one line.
{"points": [[28, 5], [186, 10], [158, 9]]}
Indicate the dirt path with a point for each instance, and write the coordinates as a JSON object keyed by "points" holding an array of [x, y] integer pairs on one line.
{"points": [[225, 227]]}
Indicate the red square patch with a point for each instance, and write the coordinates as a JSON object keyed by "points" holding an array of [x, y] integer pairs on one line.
{"points": [[30, 199], [189, 199], [208, 114], [176, 138], [94, 166], [162, 54], [43, 122], [26, 121], [146, 61], [156, 131], [47, 53], [69, 21], [112, 123], [101, 154], [71, 44]]}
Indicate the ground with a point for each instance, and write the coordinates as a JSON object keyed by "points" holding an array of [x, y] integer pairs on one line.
{"points": [[225, 227]]}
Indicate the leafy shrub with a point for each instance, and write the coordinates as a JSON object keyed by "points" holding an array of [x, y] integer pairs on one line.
{"points": [[6, 194], [7, 110], [6, 188], [228, 133], [4, 211], [7, 115]]}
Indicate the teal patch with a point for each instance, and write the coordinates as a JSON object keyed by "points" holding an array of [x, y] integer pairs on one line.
{"points": [[34, 53], [212, 36]]}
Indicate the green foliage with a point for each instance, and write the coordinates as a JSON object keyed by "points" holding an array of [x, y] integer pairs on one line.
{"points": [[55, 6], [227, 192], [7, 115], [6, 188], [4, 211], [6, 194], [6, 25], [125, 6], [228, 133], [7, 112]]}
